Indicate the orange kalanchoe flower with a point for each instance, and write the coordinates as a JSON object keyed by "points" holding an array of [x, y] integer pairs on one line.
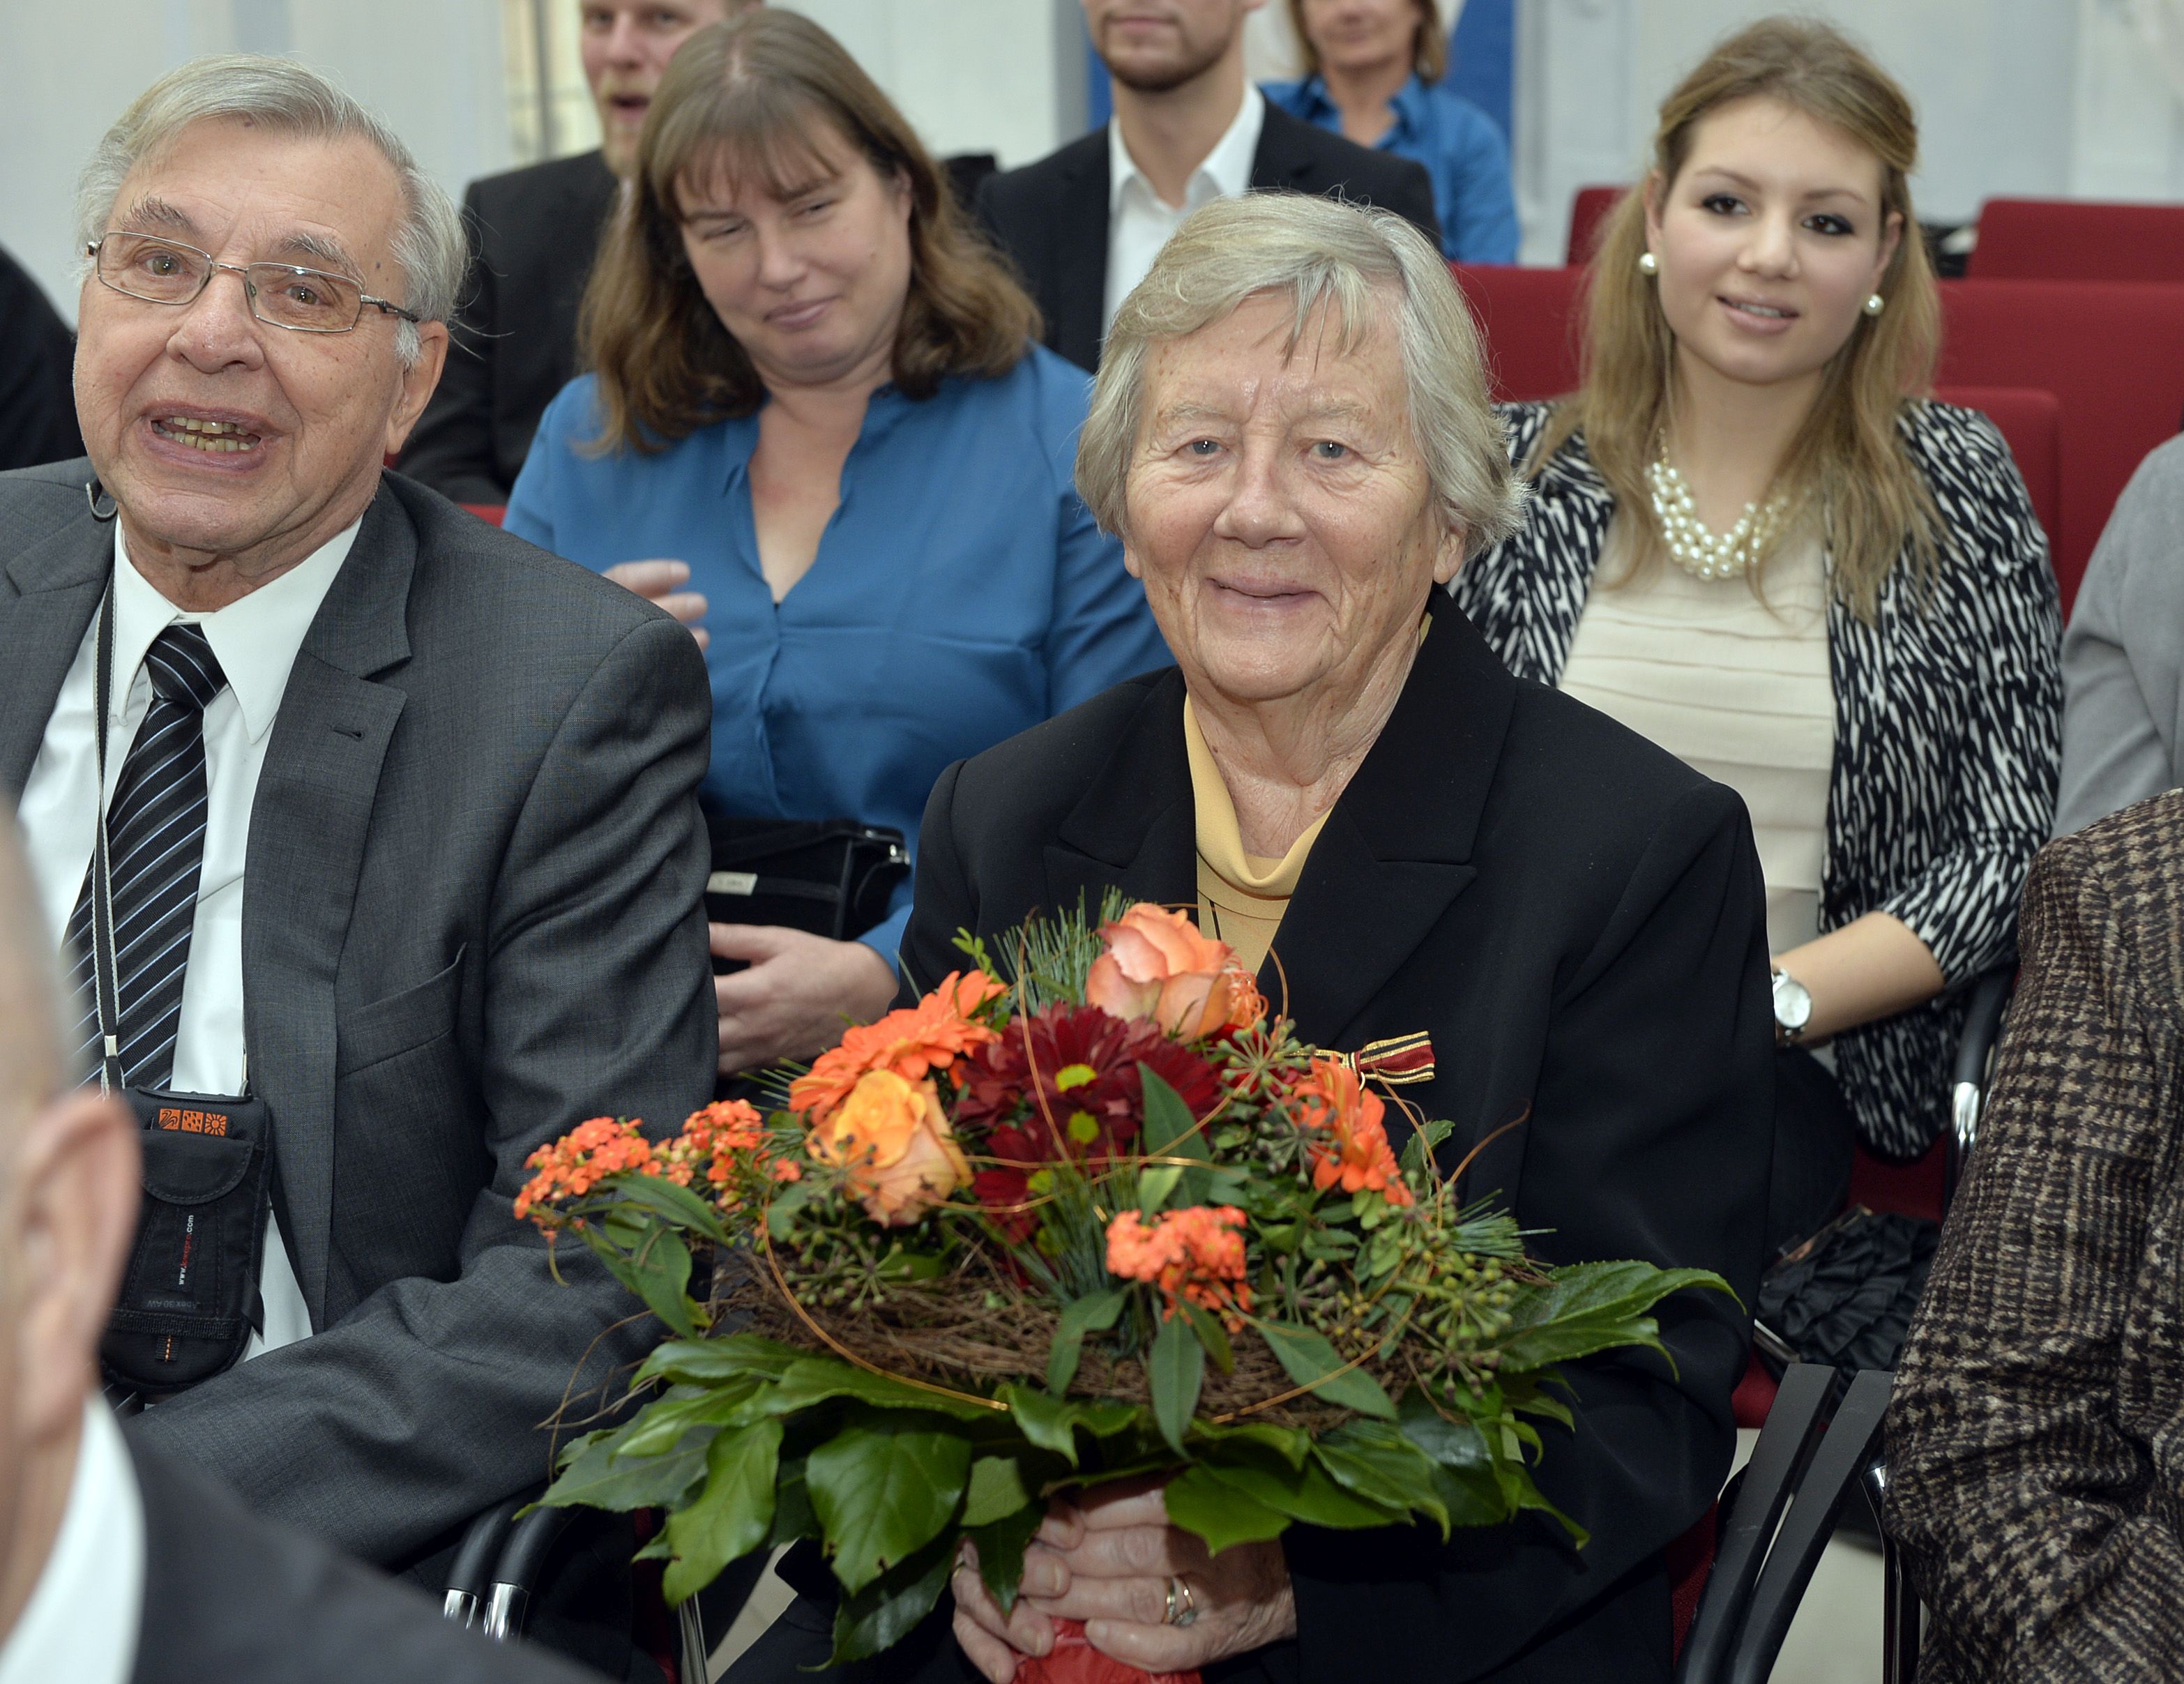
{"points": [[1350, 1141], [574, 1164], [911, 1043], [1196, 1253], [1158, 966]]}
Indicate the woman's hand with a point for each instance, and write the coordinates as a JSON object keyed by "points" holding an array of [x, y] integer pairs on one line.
{"points": [[798, 995], [659, 582], [1108, 1560]]}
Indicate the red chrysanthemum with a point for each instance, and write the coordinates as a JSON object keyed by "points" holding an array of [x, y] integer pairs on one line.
{"points": [[1065, 1083]]}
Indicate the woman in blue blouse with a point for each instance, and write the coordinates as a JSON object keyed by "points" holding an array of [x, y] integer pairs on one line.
{"points": [[1372, 72], [818, 394]]}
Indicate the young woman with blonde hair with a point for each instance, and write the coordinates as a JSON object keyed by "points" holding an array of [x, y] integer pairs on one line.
{"points": [[1756, 540]]}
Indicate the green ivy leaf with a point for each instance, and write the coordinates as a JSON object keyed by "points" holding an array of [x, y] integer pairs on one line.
{"points": [[1001, 1545], [732, 1515], [1304, 1493], [677, 1206], [658, 1426], [595, 1477], [1248, 1438], [792, 1517], [1219, 1513], [996, 1488], [1094, 1312], [813, 1379], [1310, 1360], [655, 1266], [882, 1487], [1424, 1142], [706, 1361], [1374, 1460], [1592, 1307], [1175, 1368], [885, 1611]]}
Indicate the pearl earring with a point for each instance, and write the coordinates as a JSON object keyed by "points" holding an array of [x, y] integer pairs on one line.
{"points": [[1648, 264], [1874, 304]]}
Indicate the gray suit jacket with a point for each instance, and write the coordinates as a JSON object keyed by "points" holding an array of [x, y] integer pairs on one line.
{"points": [[472, 917], [2123, 653]]}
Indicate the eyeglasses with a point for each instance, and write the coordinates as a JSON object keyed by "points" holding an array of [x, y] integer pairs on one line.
{"points": [[164, 271]]}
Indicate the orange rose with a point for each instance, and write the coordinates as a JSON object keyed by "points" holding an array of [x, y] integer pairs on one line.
{"points": [[893, 1139], [1158, 966]]}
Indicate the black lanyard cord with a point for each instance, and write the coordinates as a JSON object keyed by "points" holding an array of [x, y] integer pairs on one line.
{"points": [[104, 966]]}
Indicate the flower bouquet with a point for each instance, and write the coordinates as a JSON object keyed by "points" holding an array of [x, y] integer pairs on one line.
{"points": [[1085, 1213]]}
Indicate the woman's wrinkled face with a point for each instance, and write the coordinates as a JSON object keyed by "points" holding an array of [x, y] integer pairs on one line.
{"points": [[1769, 240], [809, 273], [1278, 509]]}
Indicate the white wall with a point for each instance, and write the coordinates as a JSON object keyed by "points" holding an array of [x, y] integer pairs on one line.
{"points": [[2036, 97]]}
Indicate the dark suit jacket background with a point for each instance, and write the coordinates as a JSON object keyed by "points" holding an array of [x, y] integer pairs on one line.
{"points": [[1051, 216], [37, 374], [231, 1599], [534, 233], [473, 918], [1578, 920]]}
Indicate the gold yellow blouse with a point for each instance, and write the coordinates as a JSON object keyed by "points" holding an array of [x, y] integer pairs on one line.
{"points": [[1241, 897]]}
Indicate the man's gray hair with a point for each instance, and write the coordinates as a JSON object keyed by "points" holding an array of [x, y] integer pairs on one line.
{"points": [[1347, 266], [288, 98]]}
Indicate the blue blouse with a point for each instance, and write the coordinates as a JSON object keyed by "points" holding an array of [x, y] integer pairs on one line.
{"points": [[961, 593], [1461, 148]]}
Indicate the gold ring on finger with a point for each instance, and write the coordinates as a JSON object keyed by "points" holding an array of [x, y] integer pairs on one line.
{"points": [[1181, 1607]]}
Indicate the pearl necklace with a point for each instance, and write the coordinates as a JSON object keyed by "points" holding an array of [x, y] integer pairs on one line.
{"points": [[1698, 551]]}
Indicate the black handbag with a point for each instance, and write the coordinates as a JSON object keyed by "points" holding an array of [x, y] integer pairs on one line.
{"points": [[1845, 1296], [834, 877], [189, 1299]]}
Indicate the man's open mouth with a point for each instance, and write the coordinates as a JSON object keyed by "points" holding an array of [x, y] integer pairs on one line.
{"points": [[224, 437]]}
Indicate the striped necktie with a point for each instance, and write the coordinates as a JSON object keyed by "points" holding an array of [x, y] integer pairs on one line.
{"points": [[155, 844]]}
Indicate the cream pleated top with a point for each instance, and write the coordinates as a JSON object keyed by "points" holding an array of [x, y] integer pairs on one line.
{"points": [[1736, 688], [1241, 897]]}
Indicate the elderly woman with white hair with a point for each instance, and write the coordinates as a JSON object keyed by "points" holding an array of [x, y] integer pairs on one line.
{"points": [[1291, 434]]}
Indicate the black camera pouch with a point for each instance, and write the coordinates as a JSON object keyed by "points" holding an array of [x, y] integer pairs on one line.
{"points": [[189, 1301]]}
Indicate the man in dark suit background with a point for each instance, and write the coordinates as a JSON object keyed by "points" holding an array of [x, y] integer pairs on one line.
{"points": [[420, 855], [119, 1565], [37, 409], [536, 231], [1085, 224]]}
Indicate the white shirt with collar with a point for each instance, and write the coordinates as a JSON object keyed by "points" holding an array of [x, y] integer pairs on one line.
{"points": [[256, 639], [1139, 221], [82, 1621]]}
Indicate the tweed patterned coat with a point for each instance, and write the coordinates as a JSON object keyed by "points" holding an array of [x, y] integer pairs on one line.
{"points": [[1949, 727], [2036, 1439]]}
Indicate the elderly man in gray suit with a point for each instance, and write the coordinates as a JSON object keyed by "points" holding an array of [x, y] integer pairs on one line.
{"points": [[400, 811]]}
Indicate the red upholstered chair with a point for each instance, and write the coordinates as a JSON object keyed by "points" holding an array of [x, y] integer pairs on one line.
{"points": [[1589, 208], [1530, 319], [2111, 352], [493, 512], [2055, 239]]}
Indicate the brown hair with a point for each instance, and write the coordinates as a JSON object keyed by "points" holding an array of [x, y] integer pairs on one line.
{"points": [[754, 92], [1429, 46], [1849, 460]]}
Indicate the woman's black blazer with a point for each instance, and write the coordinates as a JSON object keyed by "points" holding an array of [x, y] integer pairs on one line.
{"points": [[1576, 919]]}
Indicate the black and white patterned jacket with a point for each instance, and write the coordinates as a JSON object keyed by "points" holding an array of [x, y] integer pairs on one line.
{"points": [[1948, 720]]}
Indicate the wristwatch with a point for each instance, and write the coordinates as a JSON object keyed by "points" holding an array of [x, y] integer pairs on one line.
{"points": [[1793, 1008]]}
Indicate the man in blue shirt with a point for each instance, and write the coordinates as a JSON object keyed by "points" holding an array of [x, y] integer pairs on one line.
{"points": [[1372, 69]]}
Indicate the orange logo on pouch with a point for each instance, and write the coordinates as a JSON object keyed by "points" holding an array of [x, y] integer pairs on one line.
{"points": [[192, 1122]]}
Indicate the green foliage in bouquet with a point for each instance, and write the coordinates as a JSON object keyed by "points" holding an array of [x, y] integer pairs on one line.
{"points": [[1084, 1212]]}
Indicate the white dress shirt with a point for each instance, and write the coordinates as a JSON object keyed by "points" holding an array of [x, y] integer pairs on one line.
{"points": [[82, 1622], [256, 639], [1139, 221]]}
